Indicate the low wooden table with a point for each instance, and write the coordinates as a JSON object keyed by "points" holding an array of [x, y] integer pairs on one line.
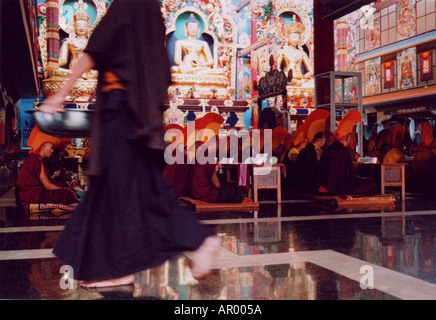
{"points": [[394, 175], [267, 177], [262, 177]]}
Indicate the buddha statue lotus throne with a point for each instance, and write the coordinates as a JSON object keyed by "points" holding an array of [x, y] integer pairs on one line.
{"points": [[70, 51], [195, 71]]}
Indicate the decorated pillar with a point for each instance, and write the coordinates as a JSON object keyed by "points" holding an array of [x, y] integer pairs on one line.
{"points": [[254, 109], [341, 44], [52, 7]]}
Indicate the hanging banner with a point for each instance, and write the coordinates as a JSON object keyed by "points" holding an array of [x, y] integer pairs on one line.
{"points": [[426, 72], [388, 75]]}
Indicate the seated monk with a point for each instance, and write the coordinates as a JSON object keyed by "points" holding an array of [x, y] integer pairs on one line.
{"points": [[33, 183], [336, 169], [290, 159], [383, 143], [395, 154], [295, 150], [204, 185], [178, 173], [423, 167], [307, 165]]}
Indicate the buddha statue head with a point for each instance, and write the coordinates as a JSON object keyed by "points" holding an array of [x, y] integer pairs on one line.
{"points": [[192, 26], [81, 20], [293, 31]]}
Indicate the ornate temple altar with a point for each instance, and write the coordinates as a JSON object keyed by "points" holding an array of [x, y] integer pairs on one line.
{"points": [[203, 64], [216, 53]]}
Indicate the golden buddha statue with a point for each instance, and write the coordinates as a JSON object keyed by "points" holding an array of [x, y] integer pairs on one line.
{"points": [[71, 50], [73, 46], [193, 55], [76, 43], [292, 56], [195, 65]]}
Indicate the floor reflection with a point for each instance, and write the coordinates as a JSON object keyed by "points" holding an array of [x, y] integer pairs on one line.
{"points": [[258, 261], [294, 281]]}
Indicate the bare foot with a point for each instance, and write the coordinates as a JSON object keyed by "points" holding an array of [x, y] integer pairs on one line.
{"points": [[109, 282], [202, 257]]}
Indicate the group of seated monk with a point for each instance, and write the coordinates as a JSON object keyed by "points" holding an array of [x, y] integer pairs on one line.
{"points": [[201, 182], [327, 167], [392, 146], [317, 162], [325, 163], [334, 169], [34, 183]]}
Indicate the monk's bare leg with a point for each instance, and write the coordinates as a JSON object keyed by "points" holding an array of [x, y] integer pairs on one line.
{"points": [[202, 257], [109, 282]]}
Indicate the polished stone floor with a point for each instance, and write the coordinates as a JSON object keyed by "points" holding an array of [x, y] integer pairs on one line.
{"points": [[299, 250]]}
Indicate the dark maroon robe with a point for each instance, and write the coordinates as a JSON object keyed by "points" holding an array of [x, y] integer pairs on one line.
{"points": [[31, 189], [128, 42], [306, 170], [337, 173], [201, 186]]}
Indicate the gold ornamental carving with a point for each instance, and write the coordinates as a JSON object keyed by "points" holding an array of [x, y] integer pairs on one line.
{"points": [[82, 91]]}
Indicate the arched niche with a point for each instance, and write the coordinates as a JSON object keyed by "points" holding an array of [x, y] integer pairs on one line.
{"points": [[177, 32]]}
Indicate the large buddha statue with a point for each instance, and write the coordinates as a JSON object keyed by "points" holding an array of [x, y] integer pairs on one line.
{"points": [[292, 56], [195, 71], [70, 51], [193, 55], [73, 46]]}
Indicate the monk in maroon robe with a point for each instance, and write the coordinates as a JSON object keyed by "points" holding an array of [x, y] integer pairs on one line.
{"points": [[34, 184], [307, 165], [337, 173], [205, 185]]}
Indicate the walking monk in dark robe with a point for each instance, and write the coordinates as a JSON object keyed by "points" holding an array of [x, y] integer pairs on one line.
{"points": [[128, 221], [336, 171], [33, 182]]}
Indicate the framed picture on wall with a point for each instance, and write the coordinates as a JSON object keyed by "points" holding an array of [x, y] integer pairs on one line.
{"points": [[372, 76], [406, 68]]}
